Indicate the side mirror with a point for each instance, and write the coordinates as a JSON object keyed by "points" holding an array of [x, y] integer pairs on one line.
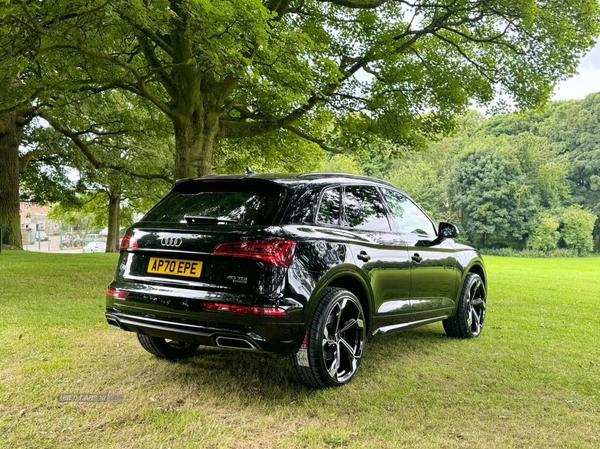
{"points": [[447, 231]]}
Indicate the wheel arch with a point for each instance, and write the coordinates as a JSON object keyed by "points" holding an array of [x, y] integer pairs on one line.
{"points": [[349, 280], [358, 289], [479, 270]]}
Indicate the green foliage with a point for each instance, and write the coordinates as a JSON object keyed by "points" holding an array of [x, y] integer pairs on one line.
{"points": [[493, 195], [241, 68], [48, 178], [492, 185], [423, 180], [116, 130], [573, 127], [528, 253], [80, 218], [374, 157], [427, 175], [538, 160], [340, 163], [577, 227], [278, 152], [545, 236], [91, 212], [507, 179]]}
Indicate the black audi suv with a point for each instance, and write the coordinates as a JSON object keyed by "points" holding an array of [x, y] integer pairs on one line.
{"points": [[306, 265]]}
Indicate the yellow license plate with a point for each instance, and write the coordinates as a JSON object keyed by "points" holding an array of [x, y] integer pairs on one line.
{"points": [[175, 267]]}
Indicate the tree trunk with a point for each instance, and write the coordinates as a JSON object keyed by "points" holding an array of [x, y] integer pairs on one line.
{"points": [[195, 139], [10, 139], [596, 236], [114, 215], [198, 100]]}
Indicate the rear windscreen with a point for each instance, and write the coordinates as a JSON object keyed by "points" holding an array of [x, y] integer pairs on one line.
{"points": [[245, 203]]}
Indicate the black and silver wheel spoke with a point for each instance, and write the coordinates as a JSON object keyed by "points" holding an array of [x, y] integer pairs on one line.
{"points": [[353, 323], [327, 338], [351, 356], [343, 305], [478, 302], [476, 326], [332, 369]]}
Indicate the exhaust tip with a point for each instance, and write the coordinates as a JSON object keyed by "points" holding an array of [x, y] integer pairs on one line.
{"points": [[113, 322], [235, 343]]}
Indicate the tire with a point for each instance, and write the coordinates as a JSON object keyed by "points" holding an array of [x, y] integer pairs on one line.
{"points": [[469, 317], [172, 350], [332, 349]]}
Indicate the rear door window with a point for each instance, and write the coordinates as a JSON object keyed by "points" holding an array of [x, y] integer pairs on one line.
{"points": [[244, 203], [364, 209]]}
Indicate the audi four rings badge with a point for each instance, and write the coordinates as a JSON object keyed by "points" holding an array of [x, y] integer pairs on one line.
{"points": [[171, 241]]}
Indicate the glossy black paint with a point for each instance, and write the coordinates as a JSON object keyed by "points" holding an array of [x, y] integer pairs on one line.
{"points": [[401, 279]]}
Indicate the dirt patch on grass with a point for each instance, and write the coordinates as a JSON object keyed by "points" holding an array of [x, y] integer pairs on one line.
{"points": [[6, 375]]}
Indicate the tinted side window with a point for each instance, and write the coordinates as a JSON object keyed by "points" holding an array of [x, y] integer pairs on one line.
{"points": [[303, 206], [364, 209], [409, 217], [329, 210]]}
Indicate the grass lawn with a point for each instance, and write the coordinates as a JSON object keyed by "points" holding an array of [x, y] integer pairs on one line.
{"points": [[531, 380]]}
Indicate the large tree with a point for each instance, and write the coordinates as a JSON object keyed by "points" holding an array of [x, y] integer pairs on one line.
{"points": [[240, 68], [500, 184], [492, 197], [333, 72]]}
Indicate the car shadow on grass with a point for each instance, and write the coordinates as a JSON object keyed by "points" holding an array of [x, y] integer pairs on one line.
{"points": [[271, 378]]}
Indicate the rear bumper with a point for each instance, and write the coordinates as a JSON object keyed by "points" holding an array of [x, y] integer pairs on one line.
{"points": [[192, 333], [178, 315]]}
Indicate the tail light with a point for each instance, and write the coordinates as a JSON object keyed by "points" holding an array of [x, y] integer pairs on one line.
{"points": [[275, 253], [237, 308], [128, 242], [117, 294]]}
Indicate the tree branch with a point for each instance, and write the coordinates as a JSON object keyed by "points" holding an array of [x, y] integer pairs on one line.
{"points": [[356, 4], [26, 158], [478, 67], [141, 87], [162, 75], [84, 148], [280, 7], [320, 142]]}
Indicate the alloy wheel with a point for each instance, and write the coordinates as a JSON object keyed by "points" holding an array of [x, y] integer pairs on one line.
{"points": [[342, 339], [476, 307]]}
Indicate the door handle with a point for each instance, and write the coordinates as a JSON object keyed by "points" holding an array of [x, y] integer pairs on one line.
{"points": [[417, 258], [363, 256]]}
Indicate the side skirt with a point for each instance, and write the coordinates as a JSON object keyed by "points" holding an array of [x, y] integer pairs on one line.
{"points": [[402, 326]]}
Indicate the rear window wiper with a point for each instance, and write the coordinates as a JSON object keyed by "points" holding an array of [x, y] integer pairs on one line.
{"points": [[198, 219]]}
